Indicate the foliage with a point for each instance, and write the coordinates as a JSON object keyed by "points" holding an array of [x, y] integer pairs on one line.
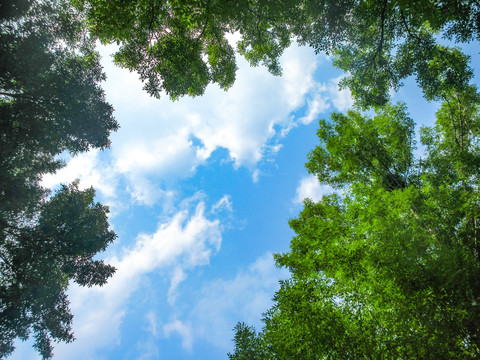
{"points": [[248, 345], [50, 97], [389, 267], [50, 102], [181, 46], [39, 259]]}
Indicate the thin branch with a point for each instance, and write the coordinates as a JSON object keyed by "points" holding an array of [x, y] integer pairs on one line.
{"points": [[14, 95], [382, 33], [453, 121], [404, 20]]}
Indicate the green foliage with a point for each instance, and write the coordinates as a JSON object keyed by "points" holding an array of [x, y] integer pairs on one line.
{"points": [[179, 47], [50, 102], [355, 147], [248, 345], [390, 266], [50, 96], [39, 256]]}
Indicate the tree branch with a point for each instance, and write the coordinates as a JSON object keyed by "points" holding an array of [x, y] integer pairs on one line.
{"points": [[382, 35]]}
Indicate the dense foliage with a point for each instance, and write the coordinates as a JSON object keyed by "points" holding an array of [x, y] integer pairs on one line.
{"points": [[40, 253], [179, 47], [389, 266], [50, 102]]}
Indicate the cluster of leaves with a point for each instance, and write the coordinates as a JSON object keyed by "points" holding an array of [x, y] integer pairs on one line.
{"points": [[179, 47], [39, 256], [50, 102], [389, 266]]}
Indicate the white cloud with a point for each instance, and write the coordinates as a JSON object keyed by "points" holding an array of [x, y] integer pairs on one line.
{"points": [[341, 99], [172, 155], [89, 170], [223, 204], [184, 330], [146, 191], [244, 298], [325, 95], [187, 240], [309, 187], [255, 175], [316, 106], [160, 141], [178, 276], [152, 323]]}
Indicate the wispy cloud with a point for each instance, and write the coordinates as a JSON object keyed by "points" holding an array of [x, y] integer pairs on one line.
{"points": [[187, 240], [182, 329], [245, 297], [310, 188]]}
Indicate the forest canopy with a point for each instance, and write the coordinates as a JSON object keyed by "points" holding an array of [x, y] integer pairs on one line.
{"points": [[389, 266], [51, 102], [179, 47], [386, 267]]}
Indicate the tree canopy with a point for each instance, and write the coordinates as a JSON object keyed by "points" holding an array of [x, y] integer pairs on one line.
{"points": [[179, 47], [386, 267], [51, 101], [389, 266], [39, 255]]}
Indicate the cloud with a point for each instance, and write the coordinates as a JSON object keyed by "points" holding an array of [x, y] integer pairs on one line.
{"points": [[324, 96], [152, 323], [178, 276], [224, 302], [255, 175], [317, 105], [187, 240], [224, 204], [89, 169], [184, 330], [341, 99], [147, 192], [310, 188], [92, 169], [160, 141]]}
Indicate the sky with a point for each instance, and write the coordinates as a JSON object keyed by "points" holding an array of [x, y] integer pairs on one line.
{"points": [[200, 192]]}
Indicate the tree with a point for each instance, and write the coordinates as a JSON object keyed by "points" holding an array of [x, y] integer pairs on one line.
{"points": [[181, 46], [50, 95], [248, 345], [389, 267], [50, 102], [39, 259]]}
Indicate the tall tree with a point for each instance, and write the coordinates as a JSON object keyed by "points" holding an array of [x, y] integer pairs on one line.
{"points": [[388, 267], [50, 94], [181, 46], [39, 255], [50, 102]]}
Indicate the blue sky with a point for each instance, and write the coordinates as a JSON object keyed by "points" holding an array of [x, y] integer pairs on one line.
{"points": [[200, 192]]}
